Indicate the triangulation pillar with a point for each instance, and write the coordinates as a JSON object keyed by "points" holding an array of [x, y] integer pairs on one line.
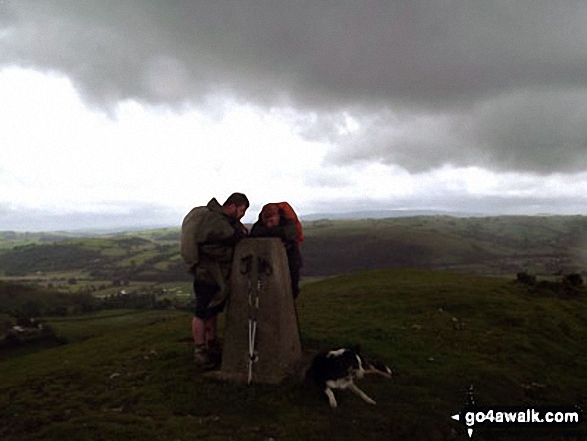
{"points": [[261, 338]]}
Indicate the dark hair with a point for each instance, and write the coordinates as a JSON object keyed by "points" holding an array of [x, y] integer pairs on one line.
{"points": [[237, 199]]}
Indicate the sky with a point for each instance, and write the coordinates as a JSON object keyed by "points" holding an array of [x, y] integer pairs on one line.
{"points": [[128, 113]]}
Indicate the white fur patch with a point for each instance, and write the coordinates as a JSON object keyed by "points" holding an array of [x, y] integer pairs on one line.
{"points": [[341, 383], [359, 373], [336, 353]]}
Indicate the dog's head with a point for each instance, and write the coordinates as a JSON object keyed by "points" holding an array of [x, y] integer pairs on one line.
{"points": [[344, 362]]}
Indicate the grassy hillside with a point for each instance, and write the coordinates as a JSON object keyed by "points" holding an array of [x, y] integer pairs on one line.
{"points": [[27, 301], [490, 245], [129, 375], [141, 263]]}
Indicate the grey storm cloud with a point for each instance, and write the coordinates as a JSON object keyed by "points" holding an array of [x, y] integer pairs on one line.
{"points": [[541, 131], [499, 84]]}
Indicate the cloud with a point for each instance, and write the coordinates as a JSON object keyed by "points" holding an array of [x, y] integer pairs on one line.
{"points": [[497, 84], [487, 205], [329, 179], [117, 216], [429, 52], [540, 131]]}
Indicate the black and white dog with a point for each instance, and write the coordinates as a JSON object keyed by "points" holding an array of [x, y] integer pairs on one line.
{"points": [[338, 369]]}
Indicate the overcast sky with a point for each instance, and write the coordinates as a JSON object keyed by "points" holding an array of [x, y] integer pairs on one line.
{"points": [[131, 112]]}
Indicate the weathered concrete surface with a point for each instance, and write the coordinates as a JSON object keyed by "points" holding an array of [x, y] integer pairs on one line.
{"points": [[260, 269]]}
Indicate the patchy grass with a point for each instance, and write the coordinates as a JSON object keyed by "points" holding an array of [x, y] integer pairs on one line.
{"points": [[129, 375], [82, 327], [139, 259]]}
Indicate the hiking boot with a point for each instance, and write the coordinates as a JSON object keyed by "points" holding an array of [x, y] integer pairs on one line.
{"points": [[202, 358], [215, 352]]}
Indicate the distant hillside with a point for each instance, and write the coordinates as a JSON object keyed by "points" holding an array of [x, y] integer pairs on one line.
{"points": [[480, 245], [383, 214], [22, 301], [488, 245], [137, 255]]}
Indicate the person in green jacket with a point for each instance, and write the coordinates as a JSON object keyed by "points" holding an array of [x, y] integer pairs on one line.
{"points": [[209, 235]]}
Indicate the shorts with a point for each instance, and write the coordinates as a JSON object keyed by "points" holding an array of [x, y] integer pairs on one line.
{"points": [[204, 293]]}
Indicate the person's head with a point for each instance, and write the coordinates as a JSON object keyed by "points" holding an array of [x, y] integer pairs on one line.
{"points": [[270, 215], [236, 205]]}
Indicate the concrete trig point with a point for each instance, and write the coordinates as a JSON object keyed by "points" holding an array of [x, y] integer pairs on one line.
{"points": [[261, 338]]}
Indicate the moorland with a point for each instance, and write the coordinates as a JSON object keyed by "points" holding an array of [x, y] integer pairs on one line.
{"points": [[438, 298]]}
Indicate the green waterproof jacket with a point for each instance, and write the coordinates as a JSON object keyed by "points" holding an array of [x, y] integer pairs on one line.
{"points": [[207, 241]]}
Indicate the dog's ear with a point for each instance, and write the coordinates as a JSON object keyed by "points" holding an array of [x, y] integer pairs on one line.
{"points": [[356, 348]]}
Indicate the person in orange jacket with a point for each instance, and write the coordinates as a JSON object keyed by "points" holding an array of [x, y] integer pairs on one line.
{"points": [[279, 220]]}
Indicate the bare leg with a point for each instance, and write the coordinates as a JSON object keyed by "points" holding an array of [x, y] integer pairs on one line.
{"points": [[199, 331], [361, 394], [203, 330], [210, 329]]}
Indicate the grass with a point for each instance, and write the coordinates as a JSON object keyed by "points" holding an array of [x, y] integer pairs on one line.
{"points": [[93, 325], [460, 322], [129, 375]]}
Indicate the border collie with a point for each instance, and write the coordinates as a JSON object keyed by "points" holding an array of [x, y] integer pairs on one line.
{"points": [[339, 368]]}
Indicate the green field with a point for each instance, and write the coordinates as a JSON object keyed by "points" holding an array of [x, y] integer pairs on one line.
{"points": [[129, 374]]}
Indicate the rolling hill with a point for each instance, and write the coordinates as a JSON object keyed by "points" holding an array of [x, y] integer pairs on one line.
{"points": [[129, 374], [482, 245]]}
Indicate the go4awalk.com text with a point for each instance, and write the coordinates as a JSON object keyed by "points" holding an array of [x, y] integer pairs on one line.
{"points": [[513, 418]]}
